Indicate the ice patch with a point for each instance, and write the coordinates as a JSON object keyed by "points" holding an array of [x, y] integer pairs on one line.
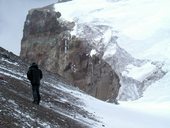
{"points": [[107, 36], [93, 52], [110, 50], [12, 73], [139, 73], [14, 63]]}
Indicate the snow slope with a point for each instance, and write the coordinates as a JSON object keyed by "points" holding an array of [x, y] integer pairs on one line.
{"points": [[129, 115], [124, 115], [101, 114], [142, 28]]}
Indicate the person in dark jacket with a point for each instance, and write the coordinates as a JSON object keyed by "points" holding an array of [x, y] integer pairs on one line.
{"points": [[34, 74]]}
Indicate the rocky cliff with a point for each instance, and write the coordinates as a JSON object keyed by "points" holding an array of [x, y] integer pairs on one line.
{"points": [[47, 40]]}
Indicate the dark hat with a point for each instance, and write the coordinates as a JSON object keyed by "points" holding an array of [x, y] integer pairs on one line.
{"points": [[34, 65]]}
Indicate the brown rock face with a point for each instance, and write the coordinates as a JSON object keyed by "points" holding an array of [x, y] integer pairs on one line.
{"points": [[47, 41]]}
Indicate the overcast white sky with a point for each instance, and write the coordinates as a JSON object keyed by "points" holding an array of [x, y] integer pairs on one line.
{"points": [[12, 16]]}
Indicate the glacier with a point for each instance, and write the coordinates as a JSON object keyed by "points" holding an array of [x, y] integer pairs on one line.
{"points": [[123, 31]]}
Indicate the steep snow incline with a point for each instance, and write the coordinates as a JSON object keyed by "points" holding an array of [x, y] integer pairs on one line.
{"points": [[64, 106], [139, 27], [58, 108]]}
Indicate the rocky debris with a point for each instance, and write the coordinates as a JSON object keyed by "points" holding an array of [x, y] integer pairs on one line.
{"points": [[58, 109], [47, 40], [1, 77], [17, 108]]}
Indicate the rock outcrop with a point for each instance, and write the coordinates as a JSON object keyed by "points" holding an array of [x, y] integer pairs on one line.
{"points": [[47, 41]]}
